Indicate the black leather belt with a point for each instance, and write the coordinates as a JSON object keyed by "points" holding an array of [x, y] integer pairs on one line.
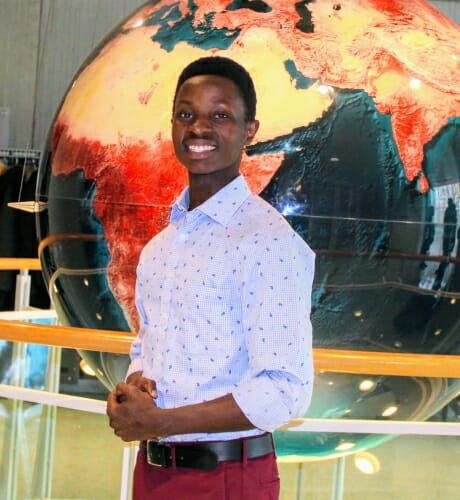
{"points": [[205, 455]]}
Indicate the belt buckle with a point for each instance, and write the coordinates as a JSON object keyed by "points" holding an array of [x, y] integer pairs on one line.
{"points": [[157, 454]]}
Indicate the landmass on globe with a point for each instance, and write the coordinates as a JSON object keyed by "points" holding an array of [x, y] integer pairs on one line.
{"points": [[114, 123]]}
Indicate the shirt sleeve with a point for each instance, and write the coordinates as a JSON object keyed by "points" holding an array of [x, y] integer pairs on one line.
{"points": [[135, 352], [276, 291], [136, 364]]}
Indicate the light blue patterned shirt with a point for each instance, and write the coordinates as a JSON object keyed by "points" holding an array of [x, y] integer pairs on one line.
{"points": [[224, 296]]}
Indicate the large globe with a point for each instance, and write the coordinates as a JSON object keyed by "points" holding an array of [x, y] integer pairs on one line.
{"points": [[358, 147]]}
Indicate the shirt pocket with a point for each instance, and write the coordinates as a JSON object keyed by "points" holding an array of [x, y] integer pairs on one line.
{"points": [[208, 319]]}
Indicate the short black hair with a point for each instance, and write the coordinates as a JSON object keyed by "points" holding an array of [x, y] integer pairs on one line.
{"points": [[226, 68]]}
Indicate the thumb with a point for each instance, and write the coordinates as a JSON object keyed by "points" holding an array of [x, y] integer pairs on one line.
{"points": [[150, 387]]}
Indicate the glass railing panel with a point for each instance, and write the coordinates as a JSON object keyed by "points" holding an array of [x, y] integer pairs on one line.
{"points": [[403, 468], [59, 453], [49, 452], [26, 365], [86, 447], [86, 462]]}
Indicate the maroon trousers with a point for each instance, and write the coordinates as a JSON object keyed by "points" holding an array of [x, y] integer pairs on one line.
{"points": [[254, 479]]}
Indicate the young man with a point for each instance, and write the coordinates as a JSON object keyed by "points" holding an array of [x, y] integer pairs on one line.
{"points": [[223, 356]]}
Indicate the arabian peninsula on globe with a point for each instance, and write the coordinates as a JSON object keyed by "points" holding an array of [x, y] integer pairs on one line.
{"points": [[359, 147]]}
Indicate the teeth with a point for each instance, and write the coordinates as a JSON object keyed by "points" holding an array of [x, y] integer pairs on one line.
{"points": [[201, 149]]}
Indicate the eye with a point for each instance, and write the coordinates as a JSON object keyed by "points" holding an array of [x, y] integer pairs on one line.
{"points": [[184, 115], [221, 115]]}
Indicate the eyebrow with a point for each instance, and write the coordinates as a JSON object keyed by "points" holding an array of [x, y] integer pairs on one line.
{"points": [[189, 102], [184, 101]]}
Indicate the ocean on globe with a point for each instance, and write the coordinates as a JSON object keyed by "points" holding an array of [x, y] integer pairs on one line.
{"points": [[359, 104]]}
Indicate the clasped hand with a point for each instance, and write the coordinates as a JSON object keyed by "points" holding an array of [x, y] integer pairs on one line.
{"points": [[132, 410]]}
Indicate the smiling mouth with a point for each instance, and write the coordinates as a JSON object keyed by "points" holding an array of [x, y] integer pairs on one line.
{"points": [[200, 148]]}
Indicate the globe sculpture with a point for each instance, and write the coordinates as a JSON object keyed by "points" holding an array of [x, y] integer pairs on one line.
{"points": [[359, 104]]}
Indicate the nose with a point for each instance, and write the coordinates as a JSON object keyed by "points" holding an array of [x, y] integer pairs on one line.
{"points": [[200, 125]]}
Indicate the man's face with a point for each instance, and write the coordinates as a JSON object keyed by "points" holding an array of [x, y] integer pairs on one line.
{"points": [[209, 129]]}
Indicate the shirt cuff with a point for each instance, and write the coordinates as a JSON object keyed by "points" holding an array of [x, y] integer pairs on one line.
{"points": [[259, 400]]}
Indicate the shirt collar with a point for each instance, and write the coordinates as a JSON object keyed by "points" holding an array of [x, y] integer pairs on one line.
{"points": [[221, 206]]}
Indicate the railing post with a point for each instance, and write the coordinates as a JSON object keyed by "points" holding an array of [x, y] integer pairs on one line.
{"points": [[129, 458], [15, 433], [22, 291], [338, 479], [300, 471], [43, 470]]}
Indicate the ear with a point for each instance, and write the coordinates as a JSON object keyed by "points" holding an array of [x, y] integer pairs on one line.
{"points": [[252, 128]]}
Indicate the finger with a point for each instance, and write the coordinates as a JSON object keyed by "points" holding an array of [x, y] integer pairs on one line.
{"points": [[153, 390], [121, 388], [133, 378], [149, 386], [111, 402], [123, 435], [122, 392]]}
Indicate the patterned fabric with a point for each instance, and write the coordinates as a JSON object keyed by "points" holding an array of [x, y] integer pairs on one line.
{"points": [[224, 295]]}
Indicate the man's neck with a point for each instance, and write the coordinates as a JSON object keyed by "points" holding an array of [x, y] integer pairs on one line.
{"points": [[203, 187]]}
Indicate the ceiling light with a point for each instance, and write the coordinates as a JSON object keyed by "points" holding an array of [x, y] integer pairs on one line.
{"points": [[367, 463], [366, 385], [345, 446], [86, 369], [389, 411]]}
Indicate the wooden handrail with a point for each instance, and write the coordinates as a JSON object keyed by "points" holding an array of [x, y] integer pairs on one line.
{"points": [[330, 360], [13, 264], [66, 336]]}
